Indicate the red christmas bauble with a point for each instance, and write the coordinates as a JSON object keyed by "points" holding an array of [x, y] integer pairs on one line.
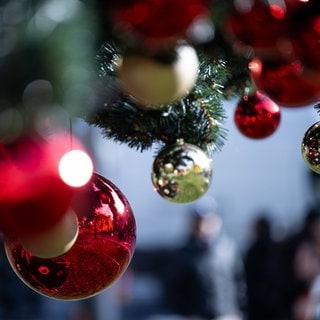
{"points": [[33, 197], [257, 116], [100, 255], [258, 24], [297, 3], [284, 82], [306, 36], [153, 19]]}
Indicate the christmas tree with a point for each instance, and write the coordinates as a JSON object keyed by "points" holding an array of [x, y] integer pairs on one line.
{"points": [[148, 74]]}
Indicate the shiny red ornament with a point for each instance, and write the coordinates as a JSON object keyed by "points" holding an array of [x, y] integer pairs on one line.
{"points": [[257, 23], [154, 19], [100, 255], [306, 41], [257, 116], [297, 3], [284, 82], [33, 197]]}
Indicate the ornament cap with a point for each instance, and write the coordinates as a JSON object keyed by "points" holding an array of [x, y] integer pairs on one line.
{"points": [[180, 141]]}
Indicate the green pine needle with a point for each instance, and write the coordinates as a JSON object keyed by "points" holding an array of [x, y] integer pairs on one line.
{"points": [[197, 118]]}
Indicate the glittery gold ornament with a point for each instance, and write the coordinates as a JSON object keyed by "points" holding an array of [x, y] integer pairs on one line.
{"points": [[310, 147], [181, 172]]}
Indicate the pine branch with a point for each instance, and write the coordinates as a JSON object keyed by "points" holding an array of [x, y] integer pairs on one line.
{"points": [[197, 118]]}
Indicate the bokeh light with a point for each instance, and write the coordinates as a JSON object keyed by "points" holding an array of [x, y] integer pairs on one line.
{"points": [[75, 168]]}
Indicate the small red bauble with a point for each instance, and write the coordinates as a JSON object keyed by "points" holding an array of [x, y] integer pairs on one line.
{"points": [[153, 19], [101, 253], [33, 197], [284, 82], [256, 116]]}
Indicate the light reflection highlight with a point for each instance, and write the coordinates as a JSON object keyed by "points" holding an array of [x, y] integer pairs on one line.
{"points": [[75, 168]]}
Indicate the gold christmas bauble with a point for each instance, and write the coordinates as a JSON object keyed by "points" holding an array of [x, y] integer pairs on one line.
{"points": [[310, 147], [181, 172], [153, 82]]}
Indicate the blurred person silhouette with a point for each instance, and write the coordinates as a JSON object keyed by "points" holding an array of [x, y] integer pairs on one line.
{"points": [[263, 270], [303, 269], [207, 279], [306, 268]]}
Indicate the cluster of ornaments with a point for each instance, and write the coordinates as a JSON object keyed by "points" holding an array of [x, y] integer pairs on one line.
{"points": [[69, 233], [54, 218], [282, 37], [181, 172], [160, 66]]}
